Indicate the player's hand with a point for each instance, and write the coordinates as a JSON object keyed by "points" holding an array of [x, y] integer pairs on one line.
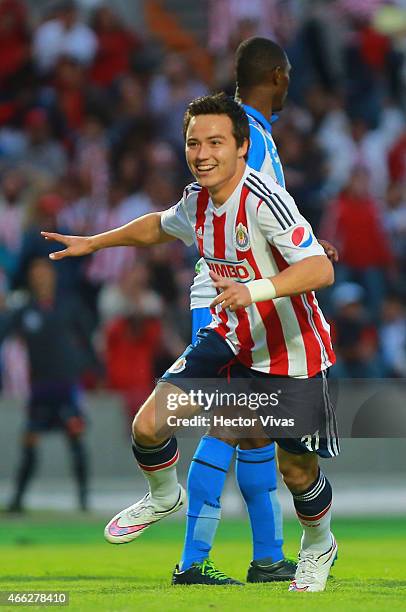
{"points": [[329, 250], [233, 296], [76, 245]]}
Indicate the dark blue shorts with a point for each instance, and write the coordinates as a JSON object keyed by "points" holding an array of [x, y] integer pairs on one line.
{"points": [[55, 406], [308, 402], [206, 358]]}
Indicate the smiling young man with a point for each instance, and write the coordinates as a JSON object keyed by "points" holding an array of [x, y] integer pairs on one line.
{"points": [[268, 322], [262, 71]]}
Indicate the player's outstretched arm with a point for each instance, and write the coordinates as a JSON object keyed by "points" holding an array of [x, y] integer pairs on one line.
{"points": [[145, 231], [309, 274]]}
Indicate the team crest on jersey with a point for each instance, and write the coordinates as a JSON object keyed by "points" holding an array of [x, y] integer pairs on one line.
{"points": [[301, 237], [199, 232], [178, 366], [242, 240]]}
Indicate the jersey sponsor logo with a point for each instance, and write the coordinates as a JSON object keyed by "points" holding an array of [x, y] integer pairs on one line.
{"points": [[301, 237], [242, 239], [240, 271], [178, 366]]}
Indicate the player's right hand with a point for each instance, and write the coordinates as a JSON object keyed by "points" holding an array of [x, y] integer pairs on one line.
{"points": [[76, 245]]}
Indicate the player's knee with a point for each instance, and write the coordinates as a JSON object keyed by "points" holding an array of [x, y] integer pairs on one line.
{"points": [[298, 476], [144, 431], [230, 441], [253, 443]]}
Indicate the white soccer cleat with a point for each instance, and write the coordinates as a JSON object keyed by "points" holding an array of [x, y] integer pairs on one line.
{"points": [[313, 569], [131, 522]]}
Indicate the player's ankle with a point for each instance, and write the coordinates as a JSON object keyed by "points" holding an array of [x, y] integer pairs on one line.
{"points": [[186, 564], [165, 502], [273, 556], [317, 544]]}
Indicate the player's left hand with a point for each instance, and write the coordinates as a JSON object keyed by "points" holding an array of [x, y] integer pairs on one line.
{"points": [[233, 296], [329, 250]]}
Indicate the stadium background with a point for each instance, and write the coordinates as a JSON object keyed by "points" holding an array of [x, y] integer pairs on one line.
{"points": [[91, 139]]}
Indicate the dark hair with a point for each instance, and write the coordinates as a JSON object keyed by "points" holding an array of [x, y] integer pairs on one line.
{"points": [[255, 59], [220, 104]]}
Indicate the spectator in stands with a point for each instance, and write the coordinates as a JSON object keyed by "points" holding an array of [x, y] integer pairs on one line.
{"points": [[354, 224], [395, 222], [12, 214], [91, 159], [42, 153], [108, 266], [397, 159], [129, 168], [14, 362], [15, 51], [133, 337], [354, 335], [393, 336], [227, 17], [322, 37], [72, 95], [170, 93], [116, 46], [63, 35], [132, 124], [305, 170]]}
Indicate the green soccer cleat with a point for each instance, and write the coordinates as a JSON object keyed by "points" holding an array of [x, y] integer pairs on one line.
{"points": [[203, 573], [265, 570]]}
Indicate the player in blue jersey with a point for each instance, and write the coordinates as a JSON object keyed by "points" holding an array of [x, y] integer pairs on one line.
{"points": [[262, 75]]}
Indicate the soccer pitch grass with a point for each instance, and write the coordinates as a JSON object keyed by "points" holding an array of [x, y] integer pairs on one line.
{"points": [[59, 552]]}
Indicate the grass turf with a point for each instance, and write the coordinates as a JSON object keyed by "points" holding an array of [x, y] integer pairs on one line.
{"points": [[63, 553]]}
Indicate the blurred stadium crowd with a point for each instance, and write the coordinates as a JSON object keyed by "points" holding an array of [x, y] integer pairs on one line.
{"points": [[90, 137]]}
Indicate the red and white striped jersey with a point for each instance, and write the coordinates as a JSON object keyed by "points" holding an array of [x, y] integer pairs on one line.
{"points": [[255, 234]]}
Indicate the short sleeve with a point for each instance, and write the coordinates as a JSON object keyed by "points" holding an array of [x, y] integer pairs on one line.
{"points": [[175, 222], [257, 150], [286, 229]]}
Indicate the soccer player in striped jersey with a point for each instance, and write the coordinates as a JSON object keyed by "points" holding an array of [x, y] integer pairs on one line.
{"points": [[262, 75], [266, 264]]}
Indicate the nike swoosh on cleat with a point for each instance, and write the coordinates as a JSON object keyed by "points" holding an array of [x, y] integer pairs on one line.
{"points": [[293, 587], [332, 550], [116, 530]]}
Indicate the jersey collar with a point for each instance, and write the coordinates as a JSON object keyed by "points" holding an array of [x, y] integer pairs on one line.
{"points": [[253, 112], [233, 198]]}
